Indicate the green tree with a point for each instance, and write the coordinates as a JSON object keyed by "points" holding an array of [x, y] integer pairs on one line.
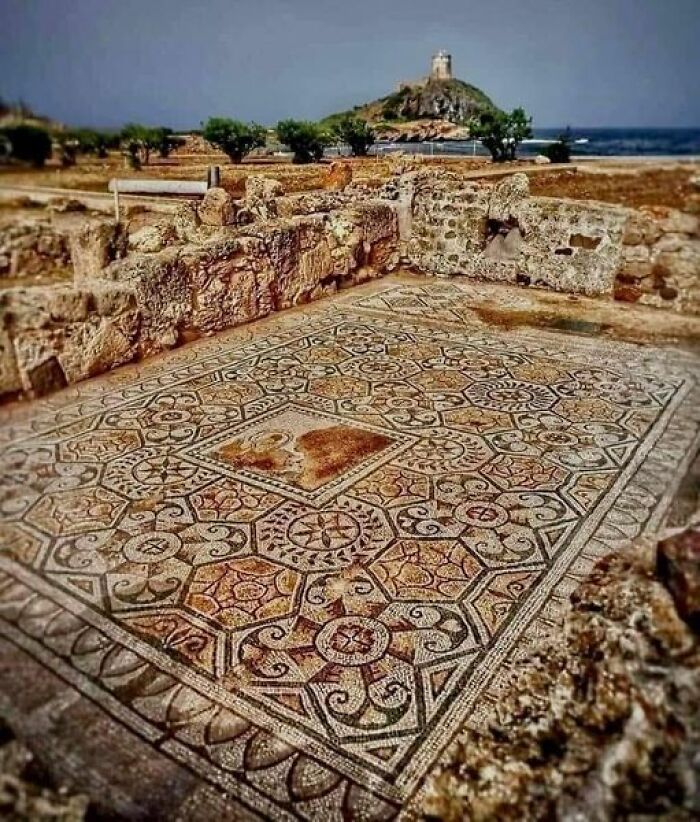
{"points": [[501, 132], [164, 140], [357, 133], [138, 141], [30, 144], [234, 138], [306, 139]]}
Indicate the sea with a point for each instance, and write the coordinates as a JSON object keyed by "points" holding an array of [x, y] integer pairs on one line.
{"points": [[587, 142]]}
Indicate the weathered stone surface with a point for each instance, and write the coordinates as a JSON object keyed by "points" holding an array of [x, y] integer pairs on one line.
{"points": [[542, 160], [95, 245], [261, 197], [508, 196], [600, 721], [217, 208], [678, 566], [161, 287], [262, 188], [152, 238], [339, 176], [230, 283], [10, 378], [32, 247]]}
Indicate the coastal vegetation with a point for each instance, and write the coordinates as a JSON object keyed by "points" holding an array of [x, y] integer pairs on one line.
{"points": [[501, 133], [357, 133], [306, 139], [560, 152], [235, 138]]}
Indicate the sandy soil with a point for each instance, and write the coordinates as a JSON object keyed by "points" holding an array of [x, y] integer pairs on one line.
{"points": [[635, 187]]}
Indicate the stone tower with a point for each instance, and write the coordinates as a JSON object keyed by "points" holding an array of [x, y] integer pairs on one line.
{"points": [[441, 66]]}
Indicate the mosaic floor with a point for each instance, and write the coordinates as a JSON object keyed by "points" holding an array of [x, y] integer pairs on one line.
{"points": [[295, 558]]}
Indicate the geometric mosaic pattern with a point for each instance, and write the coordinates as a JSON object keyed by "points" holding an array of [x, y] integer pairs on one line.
{"points": [[328, 537]]}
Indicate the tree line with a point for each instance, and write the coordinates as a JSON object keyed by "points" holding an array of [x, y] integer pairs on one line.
{"points": [[500, 132]]}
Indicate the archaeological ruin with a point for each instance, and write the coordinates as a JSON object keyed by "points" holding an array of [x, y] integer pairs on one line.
{"points": [[358, 453]]}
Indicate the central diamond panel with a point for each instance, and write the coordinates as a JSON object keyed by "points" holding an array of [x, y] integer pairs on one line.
{"points": [[304, 454]]}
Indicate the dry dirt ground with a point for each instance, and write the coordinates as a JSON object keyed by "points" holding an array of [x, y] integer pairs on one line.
{"points": [[627, 184]]}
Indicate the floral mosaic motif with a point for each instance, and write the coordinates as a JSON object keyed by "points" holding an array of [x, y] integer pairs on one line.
{"points": [[242, 592], [343, 586]]}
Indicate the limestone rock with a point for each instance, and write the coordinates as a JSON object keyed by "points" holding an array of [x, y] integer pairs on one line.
{"points": [[339, 176], [542, 160], [32, 247], [678, 566], [507, 197], [261, 195], [262, 188], [217, 208], [95, 245], [152, 238], [599, 721]]}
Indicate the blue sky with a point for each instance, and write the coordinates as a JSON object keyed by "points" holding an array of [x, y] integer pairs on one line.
{"points": [[176, 62]]}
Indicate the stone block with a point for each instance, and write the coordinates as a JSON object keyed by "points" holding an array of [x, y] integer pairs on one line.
{"points": [[217, 208], [95, 245]]}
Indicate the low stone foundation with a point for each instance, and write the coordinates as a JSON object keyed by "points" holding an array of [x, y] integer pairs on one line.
{"points": [[451, 226], [198, 278], [225, 262]]}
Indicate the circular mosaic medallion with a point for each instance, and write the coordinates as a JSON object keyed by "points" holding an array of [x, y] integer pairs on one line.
{"points": [[152, 547], [481, 514], [352, 641]]}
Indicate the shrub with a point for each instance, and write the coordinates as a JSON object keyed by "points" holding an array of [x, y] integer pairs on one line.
{"points": [[501, 133], [356, 133], [560, 152], [234, 138], [306, 139], [30, 144]]}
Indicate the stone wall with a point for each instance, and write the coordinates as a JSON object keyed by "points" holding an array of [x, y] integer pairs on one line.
{"points": [[56, 335], [223, 263], [32, 247], [500, 233], [452, 226], [661, 260], [196, 278]]}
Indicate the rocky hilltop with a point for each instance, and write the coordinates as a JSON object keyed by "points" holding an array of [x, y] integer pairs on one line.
{"points": [[432, 109]]}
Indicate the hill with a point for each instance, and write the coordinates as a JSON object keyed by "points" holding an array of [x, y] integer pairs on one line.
{"points": [[431, 109]]}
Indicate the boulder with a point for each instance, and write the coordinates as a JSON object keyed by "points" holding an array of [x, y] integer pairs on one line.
{"points": [[541, 160], [678, 566], [217, 208]]}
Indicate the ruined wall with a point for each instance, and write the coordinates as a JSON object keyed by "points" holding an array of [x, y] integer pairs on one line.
{"points": [[223, 263], [661, 260], [56, 335], [451, 226], [500, 233], [196, 278], [31, 248]]}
